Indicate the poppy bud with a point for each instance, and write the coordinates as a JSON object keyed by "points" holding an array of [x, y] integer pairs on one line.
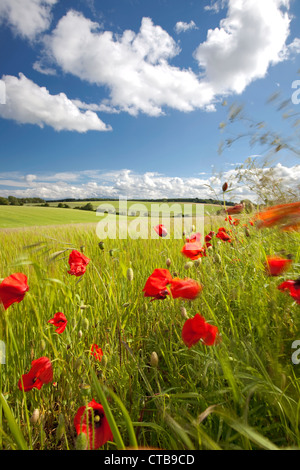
{"points": [[247, 232], [183, 312], [217, 258], [79, 334], [154, 359], [81, 442], [60, 430], [193, 228], [168, 262], [111, 252], [43, 345], [101, 245], [129, 274], [35, 416], [225, 187], [104, 360], [188, 265], [197, 262], [85, 323]]}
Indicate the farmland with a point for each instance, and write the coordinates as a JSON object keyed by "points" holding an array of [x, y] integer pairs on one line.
{"points": [[240, 393]]}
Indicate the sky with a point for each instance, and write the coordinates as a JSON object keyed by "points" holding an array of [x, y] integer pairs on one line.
{"points": [[124, 98]]}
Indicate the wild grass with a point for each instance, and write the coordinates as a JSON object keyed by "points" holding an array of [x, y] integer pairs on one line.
{"points": [[242, 393]]}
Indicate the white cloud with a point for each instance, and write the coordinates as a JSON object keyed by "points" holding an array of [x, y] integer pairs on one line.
{"points": [[28, 103], [182, 26], [133, 66], [27, 18], [136, 67], [249, 40], [125, 183]]}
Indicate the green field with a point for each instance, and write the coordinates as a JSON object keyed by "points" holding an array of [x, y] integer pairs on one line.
{"points": [[242, 393], [26, 216]]}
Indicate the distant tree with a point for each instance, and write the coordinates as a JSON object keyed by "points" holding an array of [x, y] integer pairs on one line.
{"points": [[13, 201], [88, 207], [3, 201]]}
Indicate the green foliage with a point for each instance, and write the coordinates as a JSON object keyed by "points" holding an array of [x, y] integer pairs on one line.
{"points": [[242, 393]]}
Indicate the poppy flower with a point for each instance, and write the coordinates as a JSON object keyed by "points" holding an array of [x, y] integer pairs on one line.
{"points": [[60, 321], [13, 289], [156, 284], [185, 288], [223, 236], [41, 373], [237, 209], [195, 238], [276, 265], [91, 421], [96, 352], [286, 216], [293, 287], [161, 230], [78, 263], [193, 250], [196, 329]]}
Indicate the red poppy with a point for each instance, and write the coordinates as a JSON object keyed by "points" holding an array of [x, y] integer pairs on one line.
{"points": [[276, 265], [96, 352], [41, 372], [78, 263], [156, 284], [195, 238], [235, 209], [161, 230], [196, 329], [13, 289], [193, 250], [293, 287], [223, 236], [60, 321], [91, 421], [185, 288], [287, 216]]}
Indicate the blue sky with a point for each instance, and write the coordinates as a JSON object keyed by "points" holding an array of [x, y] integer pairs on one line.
{"points": [[117, 98]]}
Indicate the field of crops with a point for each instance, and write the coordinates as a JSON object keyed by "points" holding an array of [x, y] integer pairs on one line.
{"points": [[160, 386]]}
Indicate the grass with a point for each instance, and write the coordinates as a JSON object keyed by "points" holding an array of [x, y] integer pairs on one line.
{"points": [[242, 393]]}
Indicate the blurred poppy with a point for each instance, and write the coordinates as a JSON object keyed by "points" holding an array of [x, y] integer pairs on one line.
{"points": [[193, 250], [196, 329], [156, 284], [224, 187], [41, 372], [276, 265], [96, 352], [286, 216], [78, 263], [223, 236], [91, 421], [185, 288], [237, 209], [13, 289], [60, 321], [293, 287], [161, 230], [195, 238]]}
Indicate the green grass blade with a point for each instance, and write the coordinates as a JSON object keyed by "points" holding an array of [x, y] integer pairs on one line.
{"points": [[15, 430]]}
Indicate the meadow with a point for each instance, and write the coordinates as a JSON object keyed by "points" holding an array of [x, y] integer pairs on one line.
{"points": [[240, 393]]}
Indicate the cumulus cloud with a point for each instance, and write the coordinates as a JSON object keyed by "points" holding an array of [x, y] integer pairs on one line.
{"points": [[134, 67], [249, 40], [28, 103], [182, 26], [126, 183], [137, 71], [27, 18]]}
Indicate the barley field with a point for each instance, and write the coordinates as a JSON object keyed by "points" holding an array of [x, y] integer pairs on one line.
{"points": [[127, 351]]}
